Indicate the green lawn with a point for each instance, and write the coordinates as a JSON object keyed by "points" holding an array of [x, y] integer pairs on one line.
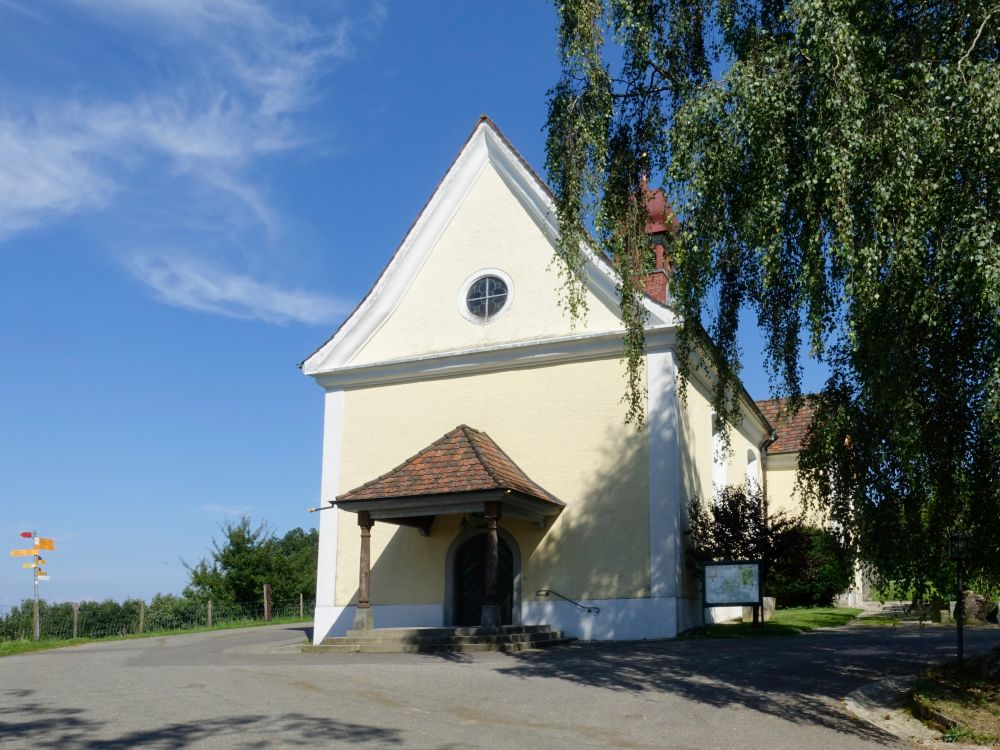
{"points": [[784, 622], [11, 648], [967, 696]]}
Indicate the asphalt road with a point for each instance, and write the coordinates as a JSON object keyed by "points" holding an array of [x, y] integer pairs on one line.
{"points": [[252, 689]]}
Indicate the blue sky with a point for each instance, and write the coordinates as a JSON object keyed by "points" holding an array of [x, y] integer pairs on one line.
{"points": [[193, 193]]}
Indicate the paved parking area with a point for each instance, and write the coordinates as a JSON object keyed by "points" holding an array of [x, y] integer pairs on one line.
{"points": [[252, 689]]}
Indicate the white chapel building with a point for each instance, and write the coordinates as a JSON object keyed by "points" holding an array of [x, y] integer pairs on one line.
{"points": [[476, 463]]}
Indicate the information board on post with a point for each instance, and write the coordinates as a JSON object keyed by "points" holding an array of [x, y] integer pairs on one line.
{"points": [[732, 583]]}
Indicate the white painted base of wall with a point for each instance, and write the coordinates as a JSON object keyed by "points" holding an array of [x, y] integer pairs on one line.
{"points": [[618, 620], [690, 614], [331, 622], [722, 614]]}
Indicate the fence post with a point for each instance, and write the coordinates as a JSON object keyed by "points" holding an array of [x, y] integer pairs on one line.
{"points": [[267, 602], [209, 613], [76, 619], [302, 615], [142, 617]]}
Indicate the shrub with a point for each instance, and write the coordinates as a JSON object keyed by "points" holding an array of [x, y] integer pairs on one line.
{"points": [[809, 567], [803, 565]]}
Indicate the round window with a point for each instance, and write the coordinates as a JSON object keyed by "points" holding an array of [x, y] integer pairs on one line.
{"points": [[486, 297]]}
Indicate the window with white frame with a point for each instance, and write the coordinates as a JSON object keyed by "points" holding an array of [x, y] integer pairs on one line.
{"points": [[485, 296]]}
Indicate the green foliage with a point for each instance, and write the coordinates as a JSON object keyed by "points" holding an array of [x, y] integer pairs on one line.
{"points": [[804, 566], [736, 526], [169, 611], [95, 619], [231, 578], [834, 168], [809, 567], [247, 558]]}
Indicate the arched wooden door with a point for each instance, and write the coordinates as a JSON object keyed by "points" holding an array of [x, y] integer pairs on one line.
{"points": [[470, 581]]}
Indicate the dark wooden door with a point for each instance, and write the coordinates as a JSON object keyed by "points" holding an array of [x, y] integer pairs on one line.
{"points": [[470, 581]]}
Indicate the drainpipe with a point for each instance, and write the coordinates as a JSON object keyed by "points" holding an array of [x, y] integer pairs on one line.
{"points": [[767, 442], [762, 449]]}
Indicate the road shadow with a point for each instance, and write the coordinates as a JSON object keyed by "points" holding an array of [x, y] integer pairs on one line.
{"points": [[306, 630], [26, 719], [800, 679]]}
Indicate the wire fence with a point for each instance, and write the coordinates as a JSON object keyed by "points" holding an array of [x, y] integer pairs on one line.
{"points": [[112, 619]]}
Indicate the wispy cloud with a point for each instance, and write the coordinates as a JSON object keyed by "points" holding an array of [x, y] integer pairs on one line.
{"points": [[47, 171], [241, 74], [251, 70], [192, 284], [60, 161]]}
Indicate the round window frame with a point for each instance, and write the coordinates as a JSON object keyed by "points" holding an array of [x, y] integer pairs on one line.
{"points": [[463, 294]]}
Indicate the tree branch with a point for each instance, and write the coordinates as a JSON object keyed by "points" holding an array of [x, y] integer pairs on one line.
{"points": [[979, 33]]}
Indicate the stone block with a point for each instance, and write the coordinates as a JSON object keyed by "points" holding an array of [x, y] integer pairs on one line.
{"points": [[975, 608], [363, 619], [768, 610]]}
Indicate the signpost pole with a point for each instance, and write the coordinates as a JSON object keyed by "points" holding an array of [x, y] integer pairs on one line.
{"points": [[36, 625]]}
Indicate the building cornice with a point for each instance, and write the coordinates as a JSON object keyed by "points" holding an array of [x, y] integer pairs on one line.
{"points": [[536, 353], [782, 461]]}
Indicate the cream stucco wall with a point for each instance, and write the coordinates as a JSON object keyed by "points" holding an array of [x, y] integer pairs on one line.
{"points": [[563, 425], [490, 229], [696, 444], [781, 492]]}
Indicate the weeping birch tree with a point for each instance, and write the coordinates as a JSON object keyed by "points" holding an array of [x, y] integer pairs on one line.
{"points": [[834, 167]]}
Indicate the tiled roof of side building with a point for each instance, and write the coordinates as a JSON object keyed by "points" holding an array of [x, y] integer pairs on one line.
{"points": [[463, 460], [790, 430]]}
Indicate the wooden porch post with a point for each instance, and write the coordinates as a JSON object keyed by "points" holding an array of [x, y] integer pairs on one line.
{"points": [[492, 617], [363, 613]]}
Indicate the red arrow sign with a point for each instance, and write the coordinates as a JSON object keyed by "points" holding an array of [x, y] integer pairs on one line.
{"points": [[26, 534]]}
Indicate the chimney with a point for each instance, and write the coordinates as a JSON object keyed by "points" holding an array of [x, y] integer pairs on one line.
{"points": [[660, 221]]}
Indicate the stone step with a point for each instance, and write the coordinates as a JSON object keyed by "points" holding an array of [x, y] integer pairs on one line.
{"points": [[422, 648], [441, 631], [445, 639]]}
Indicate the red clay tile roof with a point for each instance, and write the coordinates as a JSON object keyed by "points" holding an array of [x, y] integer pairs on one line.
{"points": [[790, 431], [464, 460]]}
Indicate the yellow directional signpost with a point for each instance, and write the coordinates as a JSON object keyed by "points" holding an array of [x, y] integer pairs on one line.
{"points": [[40, 543]]}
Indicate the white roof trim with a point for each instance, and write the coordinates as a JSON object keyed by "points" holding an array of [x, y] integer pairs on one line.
{"points": [[485, 146], [520, 354]]}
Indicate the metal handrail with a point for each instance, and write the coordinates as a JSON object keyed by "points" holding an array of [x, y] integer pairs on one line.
{"points": [[588, 610]]}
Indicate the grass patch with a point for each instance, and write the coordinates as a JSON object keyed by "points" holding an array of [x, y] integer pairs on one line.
{"points": [[13, 648], [784, 622], [970, 696]]}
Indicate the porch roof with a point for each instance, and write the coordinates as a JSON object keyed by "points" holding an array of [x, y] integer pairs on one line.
{"points": [[458, 473]]}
